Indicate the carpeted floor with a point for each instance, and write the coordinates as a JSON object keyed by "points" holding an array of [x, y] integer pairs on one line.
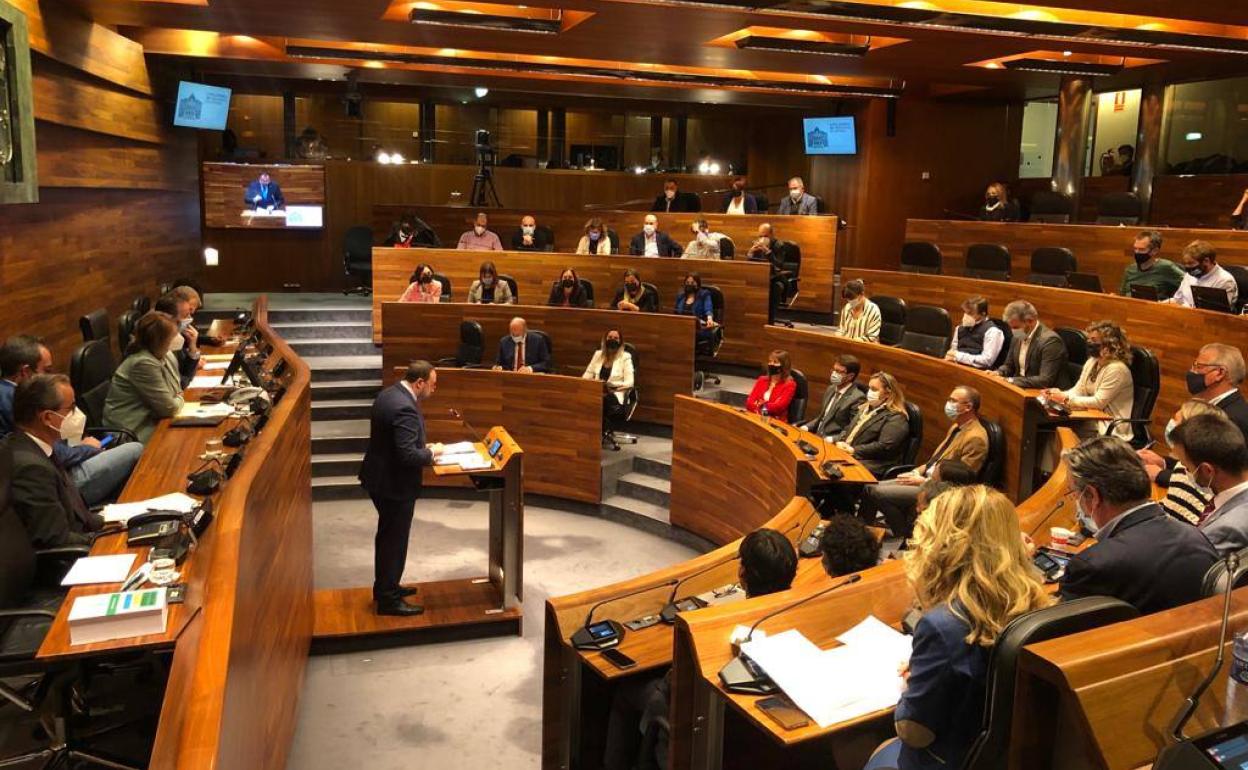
{"points": [[474, 704]]}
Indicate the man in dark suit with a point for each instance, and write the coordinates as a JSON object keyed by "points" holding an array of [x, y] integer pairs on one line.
{"points": [[185, 347], [1037, 355], [264, 193], [739, 201], [43, 495], [521, 350], [528, 237], [673, 201], [653, 242], [841, 400], [1142, 555], [391, 474], [1216, 376], [1211, 447]]}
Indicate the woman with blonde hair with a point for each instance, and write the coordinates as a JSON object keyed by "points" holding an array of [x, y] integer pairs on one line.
{"points": [[1105, 382], [877, 436], [971, 576], [997, 205], [596, 240]]}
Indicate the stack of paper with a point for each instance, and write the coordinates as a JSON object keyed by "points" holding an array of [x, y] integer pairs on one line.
{"points": [[831, 686], [216, 366], [465, 455], [101, 617], [99, 569], [197, 409], [121, 512], [205, 380]]}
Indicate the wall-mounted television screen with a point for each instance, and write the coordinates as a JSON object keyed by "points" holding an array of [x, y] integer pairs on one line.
{"points": [[830, 136], [201, 106], [269, 197]]}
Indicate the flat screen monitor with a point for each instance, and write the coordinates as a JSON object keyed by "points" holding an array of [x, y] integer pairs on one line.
{"points": [[201, 106], [830, 136]]}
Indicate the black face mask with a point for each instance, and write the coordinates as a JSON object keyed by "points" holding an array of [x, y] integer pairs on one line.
{"points": [[613, 345], [991, 200], [773, 369], [632, 287], [1142, 256], [406, 232], [1094, 349], [1195, 271], [568, 283], [690, 288], [426, 278], [1195, 382]]}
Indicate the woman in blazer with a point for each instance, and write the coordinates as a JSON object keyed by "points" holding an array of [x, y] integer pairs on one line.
{"points": [[696, 301], [595, 240], [1105, 382], [877, 436], [488, 289], [971, 575], [613, 365], [422, 288], [634, 296], [146, 387], [568, 291], [774, 391]]}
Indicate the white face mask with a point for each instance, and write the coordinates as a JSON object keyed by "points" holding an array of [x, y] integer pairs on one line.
{"points": [[1084, 518], [795, 194], [669, 194], [1205, 490], [517, 338], [178, 343], [1170, 426], [184, 324], [968, 320], [836, 378], [648, 229], [479, 229], [528, 229], [72, 426], [875, 397]]}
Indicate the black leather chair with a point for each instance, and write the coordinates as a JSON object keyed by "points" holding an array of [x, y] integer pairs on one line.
{"points": [[550, 347], [94, 325], [1049, 206], [125, 329], [1240, 274], [471, 347], [892, 318], [727, 249], [632, 398], [357, 258], [658, 298], [914, 417], [928, 330], [1120, 208], [445, 282], [990, 261], [588, 288], [549, 233], [991, 750], [142, 303], [786, 277], [994, 463], [1146, 378], [615, 240], [1005, 346], [1076, 342], [920, 257], [511, 284], [1217, 576], [801, 397], [1050, 265], [707, 351], [90, 364]]}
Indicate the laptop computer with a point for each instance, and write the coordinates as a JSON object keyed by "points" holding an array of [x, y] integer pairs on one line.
{"points": [[1211, 298], [1145, 292], [1085, 282]]}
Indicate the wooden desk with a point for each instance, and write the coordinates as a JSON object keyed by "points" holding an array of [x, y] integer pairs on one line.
{"points": [[745, 285], [731, 470], [1104, 250], [1174, 334], [817, 236], [664, 343]]}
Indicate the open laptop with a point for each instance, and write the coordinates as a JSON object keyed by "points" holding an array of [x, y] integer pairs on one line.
{"points": [[1211, 298], [1085, 282], [1145, 292]]}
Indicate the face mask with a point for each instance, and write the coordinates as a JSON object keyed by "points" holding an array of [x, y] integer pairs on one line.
{"points": [[1019, 333], [951, 410], [1141, 257], [836, 378], [72, 426], [875, 397], [1094, 349], [594, 235], [184, 324], [968, 320], [1170, 426], [478, 229], [850, 301], [631, 287], [773, 369], [795, 194], [528, 229], [426, 278], [738, 188], [1205, 490], [178, 342], [992, 200], [690, 288], [648, 229], [613, 345], [1086, 522], [406, 232], [1195, 271], [1195, 382], [669, 194], [487, 281], [568, 283], [517, 338]]}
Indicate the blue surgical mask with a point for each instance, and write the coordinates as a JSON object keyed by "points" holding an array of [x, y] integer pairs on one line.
{"points": [[1086, 522], [951, 410]]}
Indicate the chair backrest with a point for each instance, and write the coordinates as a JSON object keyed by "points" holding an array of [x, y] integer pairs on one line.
{"points": [[994, 462], [633, 397], [1120, 208], [990, 261], [471, 343], [550, 347], [1240, 274], [615, 240], [727, 249], [92, 403], [17, 555], [658, 298], [90, 364], [790, 254], [141, 304], [991, 749], [914, 418], [125, 328], [920, 257], [928, 330], [94, 325], [1008, 334], [1050, 265], [446, 287], [1076, 342], [797, 407], [892, 318], [587, 286], [1049, 206], [1215, 579], [717, 302], [511, 284], [1146, 380], [548, 233], [357, 249]]}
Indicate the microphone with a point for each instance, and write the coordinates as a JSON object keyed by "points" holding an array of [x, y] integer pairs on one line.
{"points": [[673, 608], [1190, 705], [458, 415], [1109, 429], [854, 578], [608, 633]]}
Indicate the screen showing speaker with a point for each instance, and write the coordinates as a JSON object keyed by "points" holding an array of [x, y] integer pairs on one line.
{"points": [[201, 106], [830, 136], [271, 197]]}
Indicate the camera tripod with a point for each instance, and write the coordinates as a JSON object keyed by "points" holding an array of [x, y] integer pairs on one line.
{"points": [[483, 192]]}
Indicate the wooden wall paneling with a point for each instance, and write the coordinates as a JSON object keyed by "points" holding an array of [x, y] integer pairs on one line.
{"points": [[1104, 250], [744, 285], [91, 48], [1174, 334], [1205, 200], [70, 157], [224, 185], [664, 343], [926, 381], [69, 98]]}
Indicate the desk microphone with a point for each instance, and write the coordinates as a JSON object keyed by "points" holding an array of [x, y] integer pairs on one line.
{"points": [[673, 607], [458, 415], [1109, 429], [741, 675], [607, 633]]}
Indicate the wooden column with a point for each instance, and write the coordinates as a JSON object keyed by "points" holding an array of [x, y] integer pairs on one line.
{"points": [[1148, 142], [543, 136], [1074, 110], [559, 137], [428, 130]]}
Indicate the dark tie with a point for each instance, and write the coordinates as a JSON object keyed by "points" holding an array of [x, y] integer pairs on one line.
{"points": [[519, 356], [944, 447], [70, 492]]}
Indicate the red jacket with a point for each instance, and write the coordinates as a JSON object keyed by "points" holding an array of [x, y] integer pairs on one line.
{"points": [[781, 395]]}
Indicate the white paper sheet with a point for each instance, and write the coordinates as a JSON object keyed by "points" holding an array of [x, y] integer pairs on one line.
{"points": [[216, 366], [99, 569], [205, 381], [121, 512], [459, 448], [197, 409]]}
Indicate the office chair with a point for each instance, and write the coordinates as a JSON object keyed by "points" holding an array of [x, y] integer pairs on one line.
{"points": [[1214, 583], [658, 298], [471, 347], [587, 286], [990, 261], [1120, 208], [615, 240], [1076, 342], [511, 284], [1052, 207], [91, 402], [90, 364], [727, 249], [94, 325], [1240, 274], [993, 469], [125, 329], [446, 287], [1004, 355], [142, 303], [914, 421], [928, 330], [892, 319], [820, 206], [920, 257], [631, 399], [1050, 265], [1146, 379], [991, 750], [550, 347], [797, 407], [357, 258], [705, 351], [549, 233], [786, 276]]}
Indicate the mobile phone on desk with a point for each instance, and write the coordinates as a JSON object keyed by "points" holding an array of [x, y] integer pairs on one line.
{"points": [[783, 712], [619, 659]]}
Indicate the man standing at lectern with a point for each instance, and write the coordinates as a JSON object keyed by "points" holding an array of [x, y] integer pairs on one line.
{"points": [[391, 474], [264, 194]]}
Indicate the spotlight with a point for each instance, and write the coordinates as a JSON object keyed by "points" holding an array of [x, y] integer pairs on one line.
{"points": [[481, 92], [383, 157], [396, 158], [704, 167], [714, 168], [639, 170], [1193, 136], [212, 257]]}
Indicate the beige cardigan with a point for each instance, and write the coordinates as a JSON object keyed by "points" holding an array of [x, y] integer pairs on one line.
{"points": [[1112, 391]]}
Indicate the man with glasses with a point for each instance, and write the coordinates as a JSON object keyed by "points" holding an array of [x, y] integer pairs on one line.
{"points": [[1215, 377]]}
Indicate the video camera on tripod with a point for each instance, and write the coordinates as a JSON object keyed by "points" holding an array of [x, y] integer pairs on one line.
{"points": [[483, 192]]}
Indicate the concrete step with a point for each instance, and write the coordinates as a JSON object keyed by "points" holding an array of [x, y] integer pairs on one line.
{"points": [[654, 466], [339, 368], [340, 389], [361, 314], [342, 409], [323, 346], [301, 330], [336, 464], [649, 489], [336, 436], [337, 488], [636, 513]]}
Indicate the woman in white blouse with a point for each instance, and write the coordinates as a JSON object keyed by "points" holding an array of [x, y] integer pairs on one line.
{"points": [[860, 317], [613, 365], [1105, 382]]}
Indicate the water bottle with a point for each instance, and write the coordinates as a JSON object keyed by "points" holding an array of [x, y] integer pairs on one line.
{"points": [[1237, 682]]}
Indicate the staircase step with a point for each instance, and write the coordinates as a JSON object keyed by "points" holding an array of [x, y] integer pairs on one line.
{"points": [[648, 516], [361, 313], [336, 464], [337, 488], [323, 346], [333, 436], [339, 368], [342, 409], [649, 489], [302, 330], [654, 466], [345, 389]]}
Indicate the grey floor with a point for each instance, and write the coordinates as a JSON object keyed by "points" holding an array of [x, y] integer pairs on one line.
{"points": [[474, 704]]}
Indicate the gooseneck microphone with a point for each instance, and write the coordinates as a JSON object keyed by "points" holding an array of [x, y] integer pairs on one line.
{"points": [[458, 415], [847, 581], [673, 607], [607, 633], [1190, 705]]}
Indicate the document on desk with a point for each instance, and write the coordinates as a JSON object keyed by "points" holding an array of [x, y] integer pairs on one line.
{"points": [[471, 460], [205, 381], [217, 358], [216, 366], [90, 570], [176, 501]]}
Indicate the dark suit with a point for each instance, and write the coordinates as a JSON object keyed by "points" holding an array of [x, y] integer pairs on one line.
{"points": [[646, 303], [881, 441], [751, 203], [1148, 559], [391, 474], [837, 411], [270, 195], [187, 367], [45, 499], [683, 202], [667, 247], [540, 243], [1236, 408], [65, 455], [1046, 359], [536, 354]]}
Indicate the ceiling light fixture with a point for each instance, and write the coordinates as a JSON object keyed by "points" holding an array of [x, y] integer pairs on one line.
{"points": [[488, 21], [792, 45], [481, 92], [1064, 67]]}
